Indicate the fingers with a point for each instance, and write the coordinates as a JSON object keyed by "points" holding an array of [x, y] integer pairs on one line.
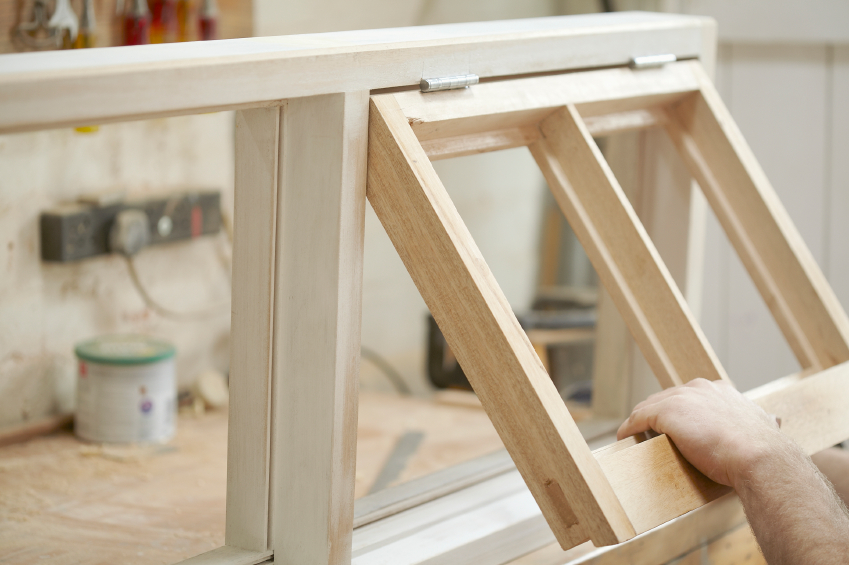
{"points": [[641, 420]]}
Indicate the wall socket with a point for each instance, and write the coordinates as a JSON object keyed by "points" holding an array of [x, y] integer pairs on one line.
{"points": [[71, 232]]}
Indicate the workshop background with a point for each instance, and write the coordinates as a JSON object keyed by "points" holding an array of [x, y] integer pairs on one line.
{"points": [[782, 68]]}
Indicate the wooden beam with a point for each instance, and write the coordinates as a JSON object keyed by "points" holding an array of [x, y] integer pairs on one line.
{"points": [[60, 89], [622, 252], [769, 245], [255, 221], [524, 102], [520, 136], [317, 311], [483, 332], [474, 143]]}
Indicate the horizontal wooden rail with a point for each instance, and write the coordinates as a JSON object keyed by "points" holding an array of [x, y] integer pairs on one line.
{"points": [[522, 103], [58, 89]]}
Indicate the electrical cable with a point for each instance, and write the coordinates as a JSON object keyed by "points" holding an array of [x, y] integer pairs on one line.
{"points": [[392, 375], [209, 311]]}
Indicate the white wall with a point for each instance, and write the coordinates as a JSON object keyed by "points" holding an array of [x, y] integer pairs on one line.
{"points": [[46, 308]]}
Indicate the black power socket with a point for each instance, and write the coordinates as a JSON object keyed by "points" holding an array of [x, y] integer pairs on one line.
{"points": [[71, 232]]}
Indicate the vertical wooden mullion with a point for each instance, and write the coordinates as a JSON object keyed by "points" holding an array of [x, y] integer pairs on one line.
{"points": [[660, 189], [757, 224], [317, 311], [622, 253], [254, 237]]}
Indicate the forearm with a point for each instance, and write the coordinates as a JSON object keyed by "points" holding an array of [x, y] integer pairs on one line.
{"points": [[793, 510]]}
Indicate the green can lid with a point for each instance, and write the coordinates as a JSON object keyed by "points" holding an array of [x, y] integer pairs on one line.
{"points": [[124, 349]]}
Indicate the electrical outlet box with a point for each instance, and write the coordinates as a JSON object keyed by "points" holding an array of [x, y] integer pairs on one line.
{"points": [[71, 232]]}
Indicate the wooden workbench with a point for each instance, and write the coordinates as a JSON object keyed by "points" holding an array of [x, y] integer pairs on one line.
{"points": [[66, 502]]}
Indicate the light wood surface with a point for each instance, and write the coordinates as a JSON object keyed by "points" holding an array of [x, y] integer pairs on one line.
{"points": [[81, 504], [87, 86], [623, 254], [504, 105], [317, 315], [255, 220], [483, 332]]}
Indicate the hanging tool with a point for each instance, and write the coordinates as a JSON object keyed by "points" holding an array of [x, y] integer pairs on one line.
{"points": [[184, 20], [60, 30], [137, 23], [64, 20], [162, 20], [208, 20], [87, 35]]}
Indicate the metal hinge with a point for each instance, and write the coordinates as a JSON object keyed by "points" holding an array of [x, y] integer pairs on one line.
{"points": [[448, 83], [651, 61]]}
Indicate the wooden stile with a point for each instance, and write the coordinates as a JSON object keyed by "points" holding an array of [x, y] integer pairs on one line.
{"points": [[317, 326], [483, 332], [257, 153]]}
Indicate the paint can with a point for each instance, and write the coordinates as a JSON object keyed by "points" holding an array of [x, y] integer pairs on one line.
{"points": [[126, 389]]}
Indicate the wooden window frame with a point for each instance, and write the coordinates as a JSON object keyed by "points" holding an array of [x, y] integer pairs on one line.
{"points": [[313, 91], [628, 488]]}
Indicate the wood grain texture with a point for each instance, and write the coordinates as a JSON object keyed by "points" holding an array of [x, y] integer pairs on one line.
{"points": [[622, 253], [48, 90], [521, 136], [494, 106], [317, 313], [496, 140], [482, 330], [255, 221], [779, 262], [678, 486]]}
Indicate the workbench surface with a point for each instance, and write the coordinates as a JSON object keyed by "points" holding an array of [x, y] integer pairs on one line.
{"points": [[65, 502]]}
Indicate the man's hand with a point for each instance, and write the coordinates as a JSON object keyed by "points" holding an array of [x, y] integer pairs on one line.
{"points": [[793, 510], [717, 429]]}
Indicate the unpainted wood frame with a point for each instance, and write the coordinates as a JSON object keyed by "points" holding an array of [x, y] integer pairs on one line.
{"points": [[630, 487]]}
